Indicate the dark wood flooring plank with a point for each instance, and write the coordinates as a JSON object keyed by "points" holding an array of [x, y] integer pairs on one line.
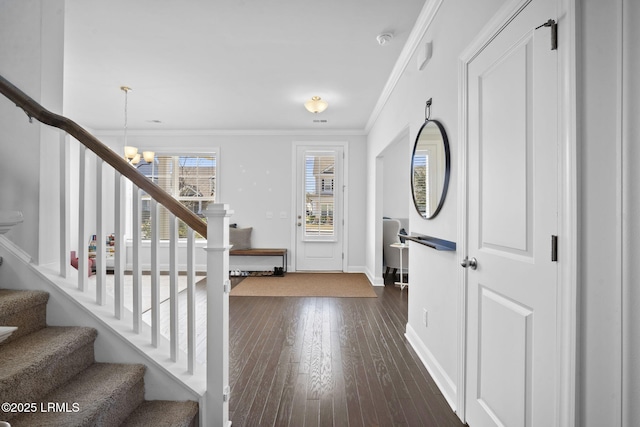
{"points": [[346, 353], [339, 397], [246, 387], [271, 356], [377, 372], [327, 370], [308, 335], [251, 401], [312, 414], [244, 342], [423, 403], [383, 340], [299, 406], [406, 366], [370, 392], [330, 362], [315, 362], [301, 320], [285, 406]]}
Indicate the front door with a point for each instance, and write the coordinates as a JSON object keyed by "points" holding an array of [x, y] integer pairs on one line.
{"points": [[511, 217], [319, 207]]}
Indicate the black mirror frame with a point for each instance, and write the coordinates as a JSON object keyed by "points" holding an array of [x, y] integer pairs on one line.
{"points": [[447, 169]]}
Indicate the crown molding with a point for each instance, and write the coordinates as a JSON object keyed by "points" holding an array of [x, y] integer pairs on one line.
{"points": [[427, 14], [234, 132]]}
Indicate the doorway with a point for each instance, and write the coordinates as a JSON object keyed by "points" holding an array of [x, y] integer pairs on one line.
{"points": [[510, 220], [319, 207]]}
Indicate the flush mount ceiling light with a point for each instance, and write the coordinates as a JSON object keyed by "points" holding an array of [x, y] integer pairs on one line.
{"points": [[384, 38], [316, 105]]}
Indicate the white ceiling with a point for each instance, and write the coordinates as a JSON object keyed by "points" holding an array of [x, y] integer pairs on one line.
{"points": [[230, 64]]}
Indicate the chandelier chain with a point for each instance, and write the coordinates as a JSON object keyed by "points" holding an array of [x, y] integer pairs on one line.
{"points": [[126, 90]]}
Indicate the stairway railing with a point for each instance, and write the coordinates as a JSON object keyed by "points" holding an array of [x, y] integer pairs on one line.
{"points": [[214, 402]]}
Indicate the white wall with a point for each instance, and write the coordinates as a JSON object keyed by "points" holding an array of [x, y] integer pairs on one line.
{"points": [[608, 92], [433, 274], [396, 179], [255, 177], [631, 230], [31, 49], [600, 290]]}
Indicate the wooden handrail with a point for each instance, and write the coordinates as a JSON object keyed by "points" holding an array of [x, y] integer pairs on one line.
{"points": [[37, 111]]}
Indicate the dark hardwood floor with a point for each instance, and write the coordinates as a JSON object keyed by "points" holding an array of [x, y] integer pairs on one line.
{"points": [[329, 362]]}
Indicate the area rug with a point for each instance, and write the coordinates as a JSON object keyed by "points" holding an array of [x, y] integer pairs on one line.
{"points": [[338, 285]]}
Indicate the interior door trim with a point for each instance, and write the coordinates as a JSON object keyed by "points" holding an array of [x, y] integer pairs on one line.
{"points": [[567, 203]]}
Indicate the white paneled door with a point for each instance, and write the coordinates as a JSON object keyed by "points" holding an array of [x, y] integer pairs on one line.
{"points": [[319, 208], [512, 348]]}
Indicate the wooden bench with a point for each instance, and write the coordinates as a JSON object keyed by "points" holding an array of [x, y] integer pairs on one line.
{"points": [[262, 252]]}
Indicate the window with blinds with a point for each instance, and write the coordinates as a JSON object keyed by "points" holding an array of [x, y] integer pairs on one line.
{"points": [[421, 181], [191, 179], [319, 194]]}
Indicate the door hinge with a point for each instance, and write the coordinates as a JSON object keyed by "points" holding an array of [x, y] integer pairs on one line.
{"points": [[226, 286], [554, 32], [226, 394], [554, 248]]}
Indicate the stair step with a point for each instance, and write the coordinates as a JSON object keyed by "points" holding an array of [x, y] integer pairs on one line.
{"points": [[164, 413], [25, 309], [102, 395], [35, 364]]}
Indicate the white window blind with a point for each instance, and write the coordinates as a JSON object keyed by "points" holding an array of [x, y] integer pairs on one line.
{"points": [[319, 194], [191, 179], [421, 182]]}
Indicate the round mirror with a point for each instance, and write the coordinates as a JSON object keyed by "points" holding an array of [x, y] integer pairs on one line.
{"points": [[430, 167]]}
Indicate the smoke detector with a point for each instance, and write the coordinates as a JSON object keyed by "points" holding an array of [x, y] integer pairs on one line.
{"points": [[384, 38]]}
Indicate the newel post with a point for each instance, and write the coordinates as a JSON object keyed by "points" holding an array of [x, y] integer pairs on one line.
{"points": [[218, 288]]}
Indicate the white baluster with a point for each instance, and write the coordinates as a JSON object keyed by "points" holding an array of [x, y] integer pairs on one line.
{"points": [[155, 274], [101, 270], [173, 290], [191, 301], [83, 265], [137, 267], [65, 204], [120, 246]]}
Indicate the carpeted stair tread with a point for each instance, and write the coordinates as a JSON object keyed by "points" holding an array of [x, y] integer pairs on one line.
{"points": [[37, 363], [24, 309], [102, 395], [13, 300], [162, 413]]}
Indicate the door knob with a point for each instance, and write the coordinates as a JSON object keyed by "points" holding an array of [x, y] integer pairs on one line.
{"points": [[299, 224], [469, 263]]}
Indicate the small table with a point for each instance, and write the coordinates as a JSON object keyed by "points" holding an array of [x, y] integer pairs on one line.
{"points": [[400, 247]]}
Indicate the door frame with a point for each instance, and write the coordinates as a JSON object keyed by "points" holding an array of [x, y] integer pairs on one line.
{"points": [[345, 197], [567, 331]]}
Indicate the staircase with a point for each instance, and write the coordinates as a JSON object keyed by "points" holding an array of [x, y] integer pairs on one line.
{"points": [[51, 373], [119, 314]]}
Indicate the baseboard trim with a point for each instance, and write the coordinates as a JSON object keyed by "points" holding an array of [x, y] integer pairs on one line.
{"points": [[375, 281], [440, 377]]}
